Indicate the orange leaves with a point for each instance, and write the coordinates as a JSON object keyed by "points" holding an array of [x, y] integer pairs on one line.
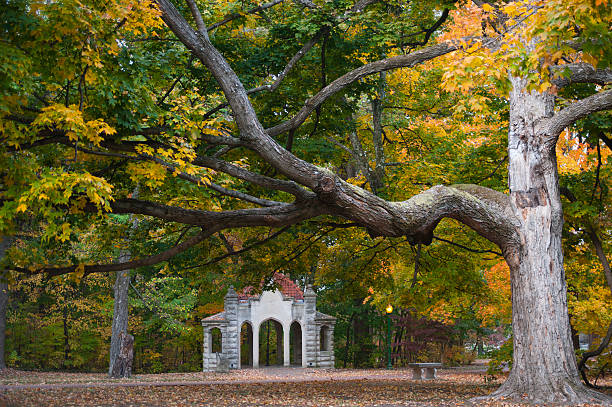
{"points": [[466, 22], [575, 157], [497, 306]]}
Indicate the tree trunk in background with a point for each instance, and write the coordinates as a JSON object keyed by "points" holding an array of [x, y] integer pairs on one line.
{"points": [[361, 337], [122, 365], [3, 305], [66, 340], [121, 309], [4, 245], [120, 315], [378, 180], [544, 364]]}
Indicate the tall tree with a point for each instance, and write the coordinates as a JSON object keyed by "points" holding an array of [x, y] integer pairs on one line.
{"points": [[526, 224]]}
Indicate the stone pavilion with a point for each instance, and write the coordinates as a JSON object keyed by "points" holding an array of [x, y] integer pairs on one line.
{"points": [[304, 336]]}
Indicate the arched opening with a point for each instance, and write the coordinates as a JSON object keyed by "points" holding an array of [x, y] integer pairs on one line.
{"points": [[324, 338], [295, 344], [215, 340], [270, 343], [246, 345]]}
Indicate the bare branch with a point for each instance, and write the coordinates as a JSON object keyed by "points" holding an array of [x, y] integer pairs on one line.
{"points": [[105, 268], [234, 16], [400, 61], [469, 249], [243, 250], [197, 16]]}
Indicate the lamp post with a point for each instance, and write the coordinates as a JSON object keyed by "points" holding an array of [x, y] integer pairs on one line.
{"points": [[389, 310]]}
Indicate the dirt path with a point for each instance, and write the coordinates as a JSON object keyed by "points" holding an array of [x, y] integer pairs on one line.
{"points": [[19, 380]]}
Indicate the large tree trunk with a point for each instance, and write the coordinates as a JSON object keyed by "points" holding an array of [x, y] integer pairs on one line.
{"points": [[544, 364]]}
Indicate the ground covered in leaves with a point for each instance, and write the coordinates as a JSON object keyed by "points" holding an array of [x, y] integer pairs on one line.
{"points": [[272, 386]]}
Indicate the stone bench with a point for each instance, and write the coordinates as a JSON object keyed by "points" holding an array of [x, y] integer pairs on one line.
{"points": [[429, 368]]}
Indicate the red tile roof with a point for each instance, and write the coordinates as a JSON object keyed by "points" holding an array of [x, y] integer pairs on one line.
{"points": [[217, 317], [287, 287]]}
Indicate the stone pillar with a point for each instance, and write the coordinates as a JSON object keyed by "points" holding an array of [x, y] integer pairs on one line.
{"points": [[331, 345], [206, 350], [231, 339], [256, 328], [286, 345], [309, 357]]}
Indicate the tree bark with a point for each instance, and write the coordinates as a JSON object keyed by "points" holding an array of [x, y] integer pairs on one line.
{"points": [[121, 310], [4, 245], [122, 365], [66, 338], [377, 136], [120, 316], [544, 366]]}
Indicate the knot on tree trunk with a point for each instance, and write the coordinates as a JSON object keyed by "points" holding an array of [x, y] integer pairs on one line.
{"points": [[326, 185], [123, 362]]}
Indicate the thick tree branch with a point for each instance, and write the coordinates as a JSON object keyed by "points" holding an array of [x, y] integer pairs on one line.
{"points": [[482, 209], [275, 216], [580, 73], [197, 16], [281, 76], [258, 179], [552, 127]]}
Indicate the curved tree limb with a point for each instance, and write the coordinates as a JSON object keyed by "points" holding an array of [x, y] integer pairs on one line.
{"points": [[400, 61], [552, 127], [257, 179], [104, 268], [580, 73], [274, 216], [586, 355]]}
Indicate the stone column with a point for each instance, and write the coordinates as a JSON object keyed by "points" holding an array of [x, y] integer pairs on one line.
{"points": [[206, 350], [232, 335], [309, 357], [256, 327], [286, 345], [331, 345]]}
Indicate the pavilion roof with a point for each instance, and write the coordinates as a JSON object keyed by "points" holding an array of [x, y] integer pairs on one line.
{"points": [[285, 285]]}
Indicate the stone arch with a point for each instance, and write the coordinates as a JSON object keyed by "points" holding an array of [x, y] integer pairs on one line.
{"points": [[271, 342], [216, 340], [246, 344], [295, 343], [324, 338]]}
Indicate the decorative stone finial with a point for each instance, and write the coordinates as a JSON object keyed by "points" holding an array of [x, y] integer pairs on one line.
{"points": [[231, 293], [309, 292]]}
